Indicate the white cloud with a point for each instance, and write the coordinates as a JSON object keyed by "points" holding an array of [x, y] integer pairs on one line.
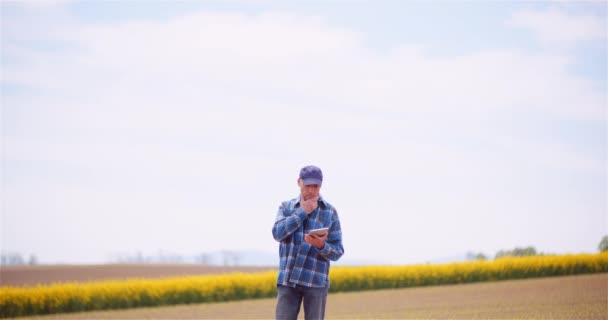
{"points": [[202, 117], [206, 58], [556, 27]]}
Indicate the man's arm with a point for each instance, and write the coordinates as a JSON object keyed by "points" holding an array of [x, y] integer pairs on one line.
{"points": [[285, 224], [333, 248]]}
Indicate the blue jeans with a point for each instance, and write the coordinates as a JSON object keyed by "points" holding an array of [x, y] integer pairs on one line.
{"points": [[289, 300]]}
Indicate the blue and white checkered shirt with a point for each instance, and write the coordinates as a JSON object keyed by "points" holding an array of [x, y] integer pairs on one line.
{"points": [[302, 263]]}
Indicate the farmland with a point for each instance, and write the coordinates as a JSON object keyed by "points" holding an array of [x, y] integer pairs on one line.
{"points": [[141, 292], [564, 297], [47, 274]]}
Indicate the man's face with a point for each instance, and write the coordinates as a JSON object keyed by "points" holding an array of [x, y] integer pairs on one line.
{"points": [[309, 191]]}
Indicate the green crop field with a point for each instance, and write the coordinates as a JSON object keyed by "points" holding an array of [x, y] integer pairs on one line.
{"points": [[564, 297]]}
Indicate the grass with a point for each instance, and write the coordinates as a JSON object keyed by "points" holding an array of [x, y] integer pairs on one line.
{"points": [[565, 297]]}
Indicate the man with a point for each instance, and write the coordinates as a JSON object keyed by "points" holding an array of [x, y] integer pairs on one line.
{"points": [[304, 256]]}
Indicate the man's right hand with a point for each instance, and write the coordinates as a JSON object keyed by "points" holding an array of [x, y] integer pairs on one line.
{"points": [[309, 205]]}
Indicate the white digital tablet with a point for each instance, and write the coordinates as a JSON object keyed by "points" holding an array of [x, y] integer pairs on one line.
{"points": [[320, 232]]}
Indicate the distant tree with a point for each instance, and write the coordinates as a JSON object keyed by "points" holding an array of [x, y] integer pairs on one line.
{"points": [[603, 246], [139, 257], [33, 260], [9, 259], [236, 257], [522, 252], [471, 256], [167, 257], [481, 256], [517, 252], [231, 258], [204, 258]]}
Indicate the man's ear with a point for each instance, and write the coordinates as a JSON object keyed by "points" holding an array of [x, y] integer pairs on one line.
{"points": [[299, 182]]}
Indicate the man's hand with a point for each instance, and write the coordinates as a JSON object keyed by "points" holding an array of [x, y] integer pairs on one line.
{"points": [[315, 240], [309, 205]]}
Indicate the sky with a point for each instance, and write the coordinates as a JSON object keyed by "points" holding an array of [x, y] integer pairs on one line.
{"points": [[441, 127]]}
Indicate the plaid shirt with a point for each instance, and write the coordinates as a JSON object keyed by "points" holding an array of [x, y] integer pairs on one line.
{"points": [[302, 263]]}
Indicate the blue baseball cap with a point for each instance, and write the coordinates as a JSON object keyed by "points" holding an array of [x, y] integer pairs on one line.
{"points": [[311, 175]]}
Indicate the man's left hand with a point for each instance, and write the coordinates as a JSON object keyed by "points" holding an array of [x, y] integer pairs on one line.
{"points": [[315, 240]]}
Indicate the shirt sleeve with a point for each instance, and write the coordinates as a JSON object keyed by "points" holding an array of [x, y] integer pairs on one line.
{"points": [[287, 221], [333, 248]]}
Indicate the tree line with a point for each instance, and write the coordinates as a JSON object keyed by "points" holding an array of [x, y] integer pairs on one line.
{"points": [[233, 258], [13, 258], [525, 251]]}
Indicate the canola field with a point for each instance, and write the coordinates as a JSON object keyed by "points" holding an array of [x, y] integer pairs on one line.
{"points": [[578, 297], [107, 295]]}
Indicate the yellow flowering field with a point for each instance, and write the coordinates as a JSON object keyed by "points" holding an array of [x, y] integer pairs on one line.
{"points": [[103, 295], [376, 277]]}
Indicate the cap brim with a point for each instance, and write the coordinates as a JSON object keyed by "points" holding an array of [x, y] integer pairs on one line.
{"points": [[310, 181]]}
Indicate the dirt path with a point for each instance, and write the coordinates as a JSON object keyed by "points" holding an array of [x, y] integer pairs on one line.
{"points": [[46, 274], [568, 297]]}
